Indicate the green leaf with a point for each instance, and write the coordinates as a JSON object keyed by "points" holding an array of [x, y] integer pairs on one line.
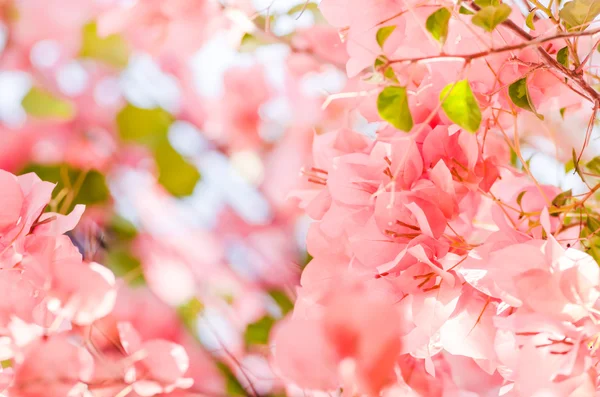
{"points": [[562, 198], [145, 126], [491, 16], [380, 61], [437, 24], [562, 56], [392, 106], [150, 127], [577, 14], [257, 333], [250, 43], [593, 223], [569, 166], [594, 165], [487, 3], [44, 105], [383, 34], [576, 164], [390, 75], [189, 313], [519, 94], [93, 190], [233, 387], [529, 20], [176, 175], [112, 49], [124, 264], [520, 197], [306, 6], [122, 228], [460, 105], [282, 300], [514, 159], [465, 11], [562, 112]]}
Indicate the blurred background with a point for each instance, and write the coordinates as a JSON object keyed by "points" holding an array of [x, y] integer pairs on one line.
{"points": [[182, 126], [185, 126]]}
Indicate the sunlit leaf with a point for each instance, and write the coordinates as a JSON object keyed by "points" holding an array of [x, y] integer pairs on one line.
{"points": [[529, 20], [111, 49], [569, 166], [93, 189], [125, 265], [257, 333], [174, 173], [233, 387], [562, 56], [145, 126], [465, 11], [594, 165], [189, 313], [460, 105], [44, 105], [122, 228], [577, 14], [562, 198], [150, 127], [383, 34], [486, 3], [282, 300], [491, 16], [392, 105], [437, 24], [520, 197], [576, 163], [519, 94]]}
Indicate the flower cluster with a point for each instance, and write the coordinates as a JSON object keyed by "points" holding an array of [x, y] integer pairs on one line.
{"points": [[53, 301], [440, 268]]}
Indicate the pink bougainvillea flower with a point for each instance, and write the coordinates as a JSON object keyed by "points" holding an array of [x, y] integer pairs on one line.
{"points": [[159, 365]]}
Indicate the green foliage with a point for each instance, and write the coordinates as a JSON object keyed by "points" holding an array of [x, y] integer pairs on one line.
{"points": [[392, 105], [44, 105], [520, 197], [233, 387], [150, 127], [189, 313], [121, 228], [562, 198], [491, 16], [529, 20], [519, 94], [594, 165], [146, 126], [590, 235], [465, 11], [124, 264], [111, 49], [562, 56], [569, 166], [487, 3], [383, 34], [93, 189], [257, 333], [175, 174], [576, 165], [282, 300], [577, 14], [460, 105], [437, 24]]}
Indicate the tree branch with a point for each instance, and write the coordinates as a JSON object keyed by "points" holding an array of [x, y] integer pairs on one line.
{"points": [[468, 57]]}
